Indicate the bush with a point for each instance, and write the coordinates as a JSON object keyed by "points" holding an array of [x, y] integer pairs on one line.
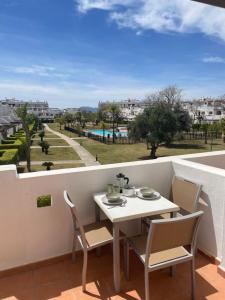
{"points": [[8, 156], [13, 144]]}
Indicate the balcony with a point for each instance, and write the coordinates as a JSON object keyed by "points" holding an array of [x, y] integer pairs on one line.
{"points": [[36, 242], [61, 280]]}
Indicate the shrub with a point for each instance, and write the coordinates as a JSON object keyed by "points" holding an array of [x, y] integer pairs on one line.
{"points": [[8, 156], [13, 144]]}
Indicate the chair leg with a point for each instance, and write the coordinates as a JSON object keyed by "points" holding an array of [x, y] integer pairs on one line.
{"points": [[74, 248], [193, 283], [84, 271], [126, 259], [147, 294]]}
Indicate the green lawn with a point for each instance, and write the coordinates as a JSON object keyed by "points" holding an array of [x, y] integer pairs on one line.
{"points": [[55, 126], [47, 135], [36, 168], [54, 154], [57, 142], [121, 153]]}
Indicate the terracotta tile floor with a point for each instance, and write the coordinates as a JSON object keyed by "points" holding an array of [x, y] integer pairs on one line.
{"points": [[62, 281]]}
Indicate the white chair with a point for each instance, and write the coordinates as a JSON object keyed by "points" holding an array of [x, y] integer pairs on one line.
{"points": [[89, 237], [164, 244], [185, 194]]}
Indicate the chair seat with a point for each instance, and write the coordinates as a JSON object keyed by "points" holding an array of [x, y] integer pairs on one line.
{"points": [[139, 245], [99, 233]]}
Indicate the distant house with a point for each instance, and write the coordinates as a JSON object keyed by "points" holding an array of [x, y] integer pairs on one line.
{"points": [[40, 109], [9, 122]]}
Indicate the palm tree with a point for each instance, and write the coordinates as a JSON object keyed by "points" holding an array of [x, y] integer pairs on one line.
{"points": [[115, 114], [48, 165], [103, 129]]}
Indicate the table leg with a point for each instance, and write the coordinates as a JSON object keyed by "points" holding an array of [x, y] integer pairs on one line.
{"points": [[116, 256], [97, 213], [97, 219]]}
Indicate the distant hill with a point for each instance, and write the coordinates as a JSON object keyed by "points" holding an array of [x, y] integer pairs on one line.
{"points": [[88, 108]]}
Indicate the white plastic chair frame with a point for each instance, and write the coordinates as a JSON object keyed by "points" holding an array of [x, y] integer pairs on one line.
{"points": [[79, 235], [156, 243]]}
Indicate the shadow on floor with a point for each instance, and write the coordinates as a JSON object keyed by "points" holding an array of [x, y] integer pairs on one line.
{"points": [[62, 281]]}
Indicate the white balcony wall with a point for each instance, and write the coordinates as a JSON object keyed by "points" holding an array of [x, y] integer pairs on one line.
{"points": [[30, 234], [214, 159], [211, 234]]}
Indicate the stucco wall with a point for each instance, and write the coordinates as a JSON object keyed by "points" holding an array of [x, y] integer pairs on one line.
{"points": [[212, 202], [213, 159], [30, 234]]}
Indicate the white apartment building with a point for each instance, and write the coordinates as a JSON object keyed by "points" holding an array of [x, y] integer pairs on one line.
{"points": [[40, 109], [207, 109]]}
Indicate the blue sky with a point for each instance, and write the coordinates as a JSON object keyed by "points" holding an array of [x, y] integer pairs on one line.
{"points": [[74, 53]]}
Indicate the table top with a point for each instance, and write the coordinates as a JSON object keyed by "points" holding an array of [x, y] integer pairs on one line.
{"points": [[135, 208]]}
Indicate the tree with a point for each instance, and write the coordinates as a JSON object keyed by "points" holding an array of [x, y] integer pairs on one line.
{"points": [[205, 128], [42, 145], [46, 147], [41, 135], [102, 124], [68, 119], [156, 125], [172, 97], [222, 126], [184, 121], [48, 165], [60, 121], [26, 119], [115, 116]]}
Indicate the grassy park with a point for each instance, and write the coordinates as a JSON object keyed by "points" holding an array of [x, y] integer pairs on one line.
{"points": [[54, 154], [52, 142], [56, 127], [116, 153]]}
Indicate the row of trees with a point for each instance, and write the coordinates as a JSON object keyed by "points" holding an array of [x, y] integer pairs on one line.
{"points": [[109, 114]]}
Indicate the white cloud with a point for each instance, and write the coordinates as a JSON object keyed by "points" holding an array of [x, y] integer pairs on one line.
{"points": [[182, 16], [214, 59], [34, 69], [85, 5]]}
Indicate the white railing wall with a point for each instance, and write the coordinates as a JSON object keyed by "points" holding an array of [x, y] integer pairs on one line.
{"points": [[212, 202], [30, 234]]}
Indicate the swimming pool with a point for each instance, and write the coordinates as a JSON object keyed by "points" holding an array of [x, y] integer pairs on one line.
{"points": [[107, 133]]}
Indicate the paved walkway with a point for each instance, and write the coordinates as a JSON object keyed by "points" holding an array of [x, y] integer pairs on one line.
{"points": [[57, 162], [47, 138], [86, 157], [79, 138]]}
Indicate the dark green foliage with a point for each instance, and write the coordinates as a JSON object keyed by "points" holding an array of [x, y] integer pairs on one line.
{"points": [[43, 201], [8, 156]]}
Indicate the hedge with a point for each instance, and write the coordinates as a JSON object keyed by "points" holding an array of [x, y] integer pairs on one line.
{"points": [[9, 156], [17, 144]]}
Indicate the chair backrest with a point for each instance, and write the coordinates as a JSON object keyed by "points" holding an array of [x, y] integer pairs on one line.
{"points": [[185, 194], [77, 224], [171, 233]]}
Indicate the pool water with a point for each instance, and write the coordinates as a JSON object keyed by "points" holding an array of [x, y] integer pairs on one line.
{"points": [[107, 132]]}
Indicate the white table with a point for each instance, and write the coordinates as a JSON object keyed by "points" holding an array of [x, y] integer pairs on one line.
{"points": [[134, 208]]}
